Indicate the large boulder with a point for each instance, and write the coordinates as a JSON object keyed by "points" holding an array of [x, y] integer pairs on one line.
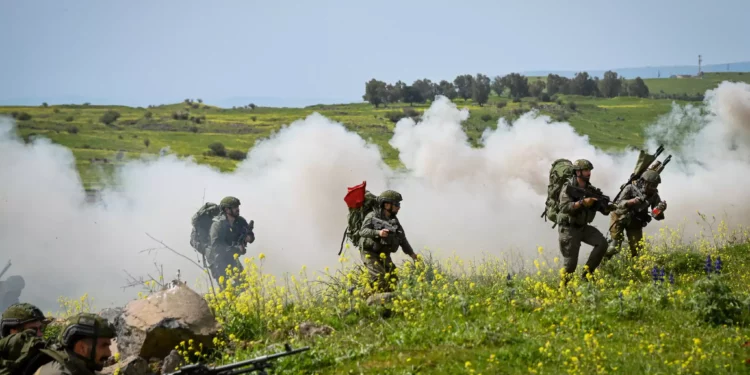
{"points": [[130, 366], [152, 327]]}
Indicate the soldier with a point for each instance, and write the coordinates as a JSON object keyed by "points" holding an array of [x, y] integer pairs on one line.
{"points": [[22, 329], [226, 238], [632, 214], [10, 291], [85, 340], [21, 317], [574, 219], [376, 246]]}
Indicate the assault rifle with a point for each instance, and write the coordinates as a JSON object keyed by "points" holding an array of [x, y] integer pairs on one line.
{"points": [[259, 364], [379, 224], [5, 269], [578, 193], [248, 229]]}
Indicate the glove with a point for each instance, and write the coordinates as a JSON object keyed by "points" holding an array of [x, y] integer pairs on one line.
{"points": [[662, 206]]}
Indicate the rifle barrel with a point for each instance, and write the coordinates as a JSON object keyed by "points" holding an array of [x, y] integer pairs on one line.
{"points": [[258, 360], [5, 269]]}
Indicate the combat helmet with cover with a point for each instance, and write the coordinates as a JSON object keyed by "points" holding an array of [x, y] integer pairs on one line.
{"points": [[18, 351], [19, 314], [651, 176], [201, 222], [562, 170], [389, 196]]}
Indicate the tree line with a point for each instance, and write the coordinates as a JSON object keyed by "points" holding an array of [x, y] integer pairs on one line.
{"points": [[479, 87]]}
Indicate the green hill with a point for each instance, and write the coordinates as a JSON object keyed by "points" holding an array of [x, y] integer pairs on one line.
{"points": [[190, 128]]}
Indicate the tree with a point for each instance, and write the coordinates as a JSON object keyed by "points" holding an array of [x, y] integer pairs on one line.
{"points": [[464, 85], [518, 85], [395, 92], [412, 95], [146, 142], [375, 92], [610, 84], [447, 89], [425, 88], [638, 88], [481, 89], [109, 117], [536, 88], [200, 101], [498, 85], [583, 84]]}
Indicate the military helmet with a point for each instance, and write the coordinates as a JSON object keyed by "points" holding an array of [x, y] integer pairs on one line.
{"points": [[582, 164], [15, 283], [651, 176], [85, 325], [389, 196], [229, 202], [19, 314]]}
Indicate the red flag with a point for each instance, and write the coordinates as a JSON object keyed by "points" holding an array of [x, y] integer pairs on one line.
{"points": [[355, 196]]}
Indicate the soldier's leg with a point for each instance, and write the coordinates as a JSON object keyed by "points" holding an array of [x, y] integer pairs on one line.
{"points": [[375, 269], [391, 277], [615, 232], [570, 244], [635, 234], [592, 236]]}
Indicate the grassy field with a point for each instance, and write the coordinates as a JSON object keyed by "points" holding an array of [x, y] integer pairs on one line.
{"points": [[678, 309], [610, 123]]}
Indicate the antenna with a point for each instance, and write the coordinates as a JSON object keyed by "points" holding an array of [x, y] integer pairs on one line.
{"points": [[700, 59]]}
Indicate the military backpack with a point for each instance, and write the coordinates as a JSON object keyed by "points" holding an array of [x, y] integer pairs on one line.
{"points": [[360, 202], [561, 171], [201, 221], [20, 353]]}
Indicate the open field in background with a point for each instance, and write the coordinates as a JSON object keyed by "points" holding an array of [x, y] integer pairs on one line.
{"points": [[611, 124]]}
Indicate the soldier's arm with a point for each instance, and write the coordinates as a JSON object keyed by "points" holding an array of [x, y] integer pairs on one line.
{"points": [[655, 202], [566, 204], [405, 245], [217, 236], [625, 197], [368, 230]]}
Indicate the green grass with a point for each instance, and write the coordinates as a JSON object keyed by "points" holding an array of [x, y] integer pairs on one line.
{"points": [[611, 124], [693, 85], [468, 317]]}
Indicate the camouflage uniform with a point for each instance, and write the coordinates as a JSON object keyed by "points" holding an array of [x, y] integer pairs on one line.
{"points": [[634, 218], [376, 251], [16, 348], [10, 291], [573, 227], [68, 362], [224, 242]]}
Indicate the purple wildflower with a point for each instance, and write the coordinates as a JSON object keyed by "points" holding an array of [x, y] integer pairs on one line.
{"points": [[708, 266], [718, 264]]}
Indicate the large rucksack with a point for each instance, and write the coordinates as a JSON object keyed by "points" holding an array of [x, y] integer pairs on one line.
{"points": [[360, 202], [561, 171], [201, 221]]}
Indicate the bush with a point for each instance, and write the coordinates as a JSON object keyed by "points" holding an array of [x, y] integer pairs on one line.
{"points": [[237, 155], [180, 115], [72, 129], [714, 302], [572, 106], [109, 117], [148, 115], [486, 117], [147, 142], [69, 118], [218, 149], [395, 116], [501, 104], [23, 116]]}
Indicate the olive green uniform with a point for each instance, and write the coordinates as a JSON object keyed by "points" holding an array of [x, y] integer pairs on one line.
{"points": [[574, 227], [376, 251], [224, 243], [65, 363], [631, 219]]}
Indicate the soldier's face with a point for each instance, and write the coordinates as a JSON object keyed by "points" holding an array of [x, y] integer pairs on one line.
{"points": [[234, 211], [585, 174]]}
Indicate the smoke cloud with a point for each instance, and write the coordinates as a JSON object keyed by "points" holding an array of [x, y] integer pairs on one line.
{"points": [[456, 198]]}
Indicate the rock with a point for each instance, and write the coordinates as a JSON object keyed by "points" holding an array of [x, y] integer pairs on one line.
{"points": [[152, 327], [307, 329], [133, 365], [111, 314], [380, 298], [171, 362]]}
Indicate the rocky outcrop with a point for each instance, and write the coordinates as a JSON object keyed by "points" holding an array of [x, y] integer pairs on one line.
{"points": [[130, 366], [152, 327]]}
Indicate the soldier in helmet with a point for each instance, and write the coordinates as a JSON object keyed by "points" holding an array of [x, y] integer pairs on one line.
{"points": [[85, 339], [574, 222], [632, 212], [376, 246], [21, 317], [10, 291], [226, 238], [22, 329]]}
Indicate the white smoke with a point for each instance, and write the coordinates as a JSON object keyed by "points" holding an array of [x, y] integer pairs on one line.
{"points": [[456, 197]]}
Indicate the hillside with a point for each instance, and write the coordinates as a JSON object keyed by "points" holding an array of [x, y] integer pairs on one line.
{"points": [[188, 129]]}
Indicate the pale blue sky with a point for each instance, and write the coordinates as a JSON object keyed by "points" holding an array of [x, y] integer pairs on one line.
{"points": [[305, 52]]}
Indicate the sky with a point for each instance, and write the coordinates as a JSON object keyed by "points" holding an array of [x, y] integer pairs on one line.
{"points": [[285, 53]]}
